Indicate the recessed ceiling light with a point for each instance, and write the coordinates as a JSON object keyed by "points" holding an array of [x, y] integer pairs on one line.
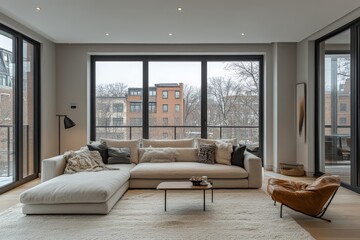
{"points": [[179, 8], [170, 34], [107, 34], [38, 8], [242, 34]]}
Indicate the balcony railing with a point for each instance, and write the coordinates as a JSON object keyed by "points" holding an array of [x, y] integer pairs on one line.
{"points": [[7, 148], [248, 134]]}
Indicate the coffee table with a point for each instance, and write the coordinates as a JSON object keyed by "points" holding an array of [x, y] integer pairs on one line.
{"points": [[185, 186]]}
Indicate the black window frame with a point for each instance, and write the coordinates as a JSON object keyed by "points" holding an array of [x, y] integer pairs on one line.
{"points": [[18, 41], [203, 59]]}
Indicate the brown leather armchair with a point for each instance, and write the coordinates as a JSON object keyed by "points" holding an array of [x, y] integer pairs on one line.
{"points": [[310, 199]]}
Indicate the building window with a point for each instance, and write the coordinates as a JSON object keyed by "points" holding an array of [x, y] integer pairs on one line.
{"points": [[177, 107], [342, 107], [118, 121], [152, 107], [342, 120], [165, 108], [135, 92], [177, 94], [135, 107], [118, 107], [152, 93], [165, 94], [165, 121], [135, 121]]}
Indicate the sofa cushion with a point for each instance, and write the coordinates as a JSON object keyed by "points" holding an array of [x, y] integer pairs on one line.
{"points": [[206, 153], [184, 170], [233, 141], [154, 154], [118, 155], [237, 157], [181, 143], [76, 188], [184, 154], [223, 152], [132, 144], [101, 148]]}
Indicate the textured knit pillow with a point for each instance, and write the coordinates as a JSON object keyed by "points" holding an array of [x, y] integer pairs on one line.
{"points": [[223, 152], [118, 155], [84, 161], [101, 148], [237, 157], [206, 153]]}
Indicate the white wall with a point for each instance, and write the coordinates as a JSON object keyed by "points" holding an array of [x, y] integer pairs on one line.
{"points": [[48, 91], [305, 153], [284, 55]]}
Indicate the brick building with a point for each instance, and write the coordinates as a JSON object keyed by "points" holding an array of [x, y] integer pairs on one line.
{"points": [[166, 109]]}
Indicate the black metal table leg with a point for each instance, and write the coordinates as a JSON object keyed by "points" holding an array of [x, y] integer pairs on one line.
{"points": [[212, 195], [204, 199], [165, 200]]}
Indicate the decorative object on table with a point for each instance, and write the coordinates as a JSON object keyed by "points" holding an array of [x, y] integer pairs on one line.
{"points": [[301, 112], [295, 170], [68, 123], [196, 181], [204, 181]]}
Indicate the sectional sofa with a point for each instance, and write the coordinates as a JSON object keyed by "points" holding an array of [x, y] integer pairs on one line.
{"points": [[98, 192]]}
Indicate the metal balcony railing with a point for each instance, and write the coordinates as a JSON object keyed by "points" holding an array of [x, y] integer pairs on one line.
{"points": [[7, 151], [174, 132]]}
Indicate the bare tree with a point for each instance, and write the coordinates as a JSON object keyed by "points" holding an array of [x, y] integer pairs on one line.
{"points": [[247, 73], [118, 89], [224, 93], [191, 95]]}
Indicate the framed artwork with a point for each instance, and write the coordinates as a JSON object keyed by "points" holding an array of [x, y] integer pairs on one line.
{"points": [[301, 112]]}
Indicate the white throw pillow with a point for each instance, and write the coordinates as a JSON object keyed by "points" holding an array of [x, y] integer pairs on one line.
{"points": [[223, 152], [152, 154]]}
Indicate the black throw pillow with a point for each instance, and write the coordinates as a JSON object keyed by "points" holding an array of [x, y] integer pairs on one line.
{"points": [[237, 157], [118, 155], [101, 148]]}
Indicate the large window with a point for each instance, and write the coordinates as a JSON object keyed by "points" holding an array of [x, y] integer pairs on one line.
{"points": [[181, 96], [19, 130]]}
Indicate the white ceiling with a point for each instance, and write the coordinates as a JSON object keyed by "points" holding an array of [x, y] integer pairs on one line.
{"points": [[200, 21]]}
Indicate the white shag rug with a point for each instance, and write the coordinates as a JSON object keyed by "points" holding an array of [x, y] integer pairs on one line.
{"points": [[235, 214]]}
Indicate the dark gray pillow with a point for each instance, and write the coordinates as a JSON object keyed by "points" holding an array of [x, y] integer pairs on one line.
{"points": [[101, 148], [206, 153], [118, 155], [237, 157]]}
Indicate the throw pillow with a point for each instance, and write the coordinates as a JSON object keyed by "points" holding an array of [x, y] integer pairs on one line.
{"points": [[133, 145], [101, 148], [223, 153], [118, 155], [238, 155], [151, 154], [206, 153], [84, 161]]}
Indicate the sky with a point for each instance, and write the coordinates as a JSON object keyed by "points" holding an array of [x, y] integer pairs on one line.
{"points": [[5, 42], [159, 72]]}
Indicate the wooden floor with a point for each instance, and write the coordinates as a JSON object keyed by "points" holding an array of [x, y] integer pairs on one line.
{"points": [[344, 211]]}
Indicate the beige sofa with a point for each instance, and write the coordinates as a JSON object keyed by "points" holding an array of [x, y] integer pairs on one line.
{"points": [[98, 192]]}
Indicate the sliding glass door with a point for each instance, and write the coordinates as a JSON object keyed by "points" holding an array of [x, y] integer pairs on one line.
{"points": [[7, 109], [338, 105], [19, 128]]}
